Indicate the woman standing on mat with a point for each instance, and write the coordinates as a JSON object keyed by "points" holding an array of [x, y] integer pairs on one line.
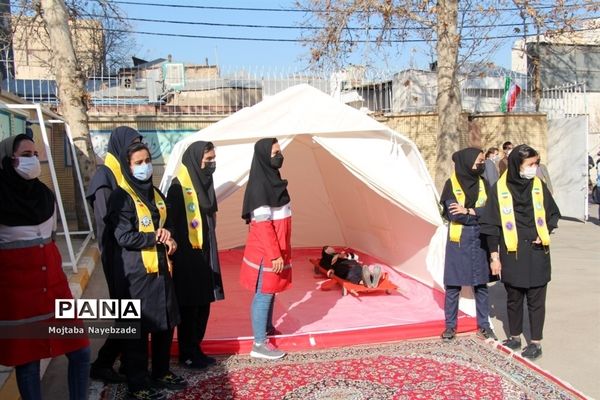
{"points": [[196, 269], [136, 217], [31, 275], [266, 267], [518, 220], [463, 199]]}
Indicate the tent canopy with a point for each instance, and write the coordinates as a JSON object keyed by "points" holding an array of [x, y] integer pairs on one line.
{"points": [[352, 180]]}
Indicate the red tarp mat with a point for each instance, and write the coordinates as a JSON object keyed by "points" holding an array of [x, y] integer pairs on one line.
{"points": [[309, 318]]}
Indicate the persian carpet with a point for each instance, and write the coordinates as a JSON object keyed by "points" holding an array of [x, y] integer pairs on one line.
{"points": [[467, 368]]}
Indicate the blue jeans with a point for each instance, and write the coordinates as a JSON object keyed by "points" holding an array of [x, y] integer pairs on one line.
{"points": [[482, 305], [28, 376], [262, 311]]}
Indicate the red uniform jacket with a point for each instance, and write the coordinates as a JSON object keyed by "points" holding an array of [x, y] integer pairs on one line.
{"points": [[269, 238]]}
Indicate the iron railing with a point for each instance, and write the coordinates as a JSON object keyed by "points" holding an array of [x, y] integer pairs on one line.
{"points": [[210, 90]]}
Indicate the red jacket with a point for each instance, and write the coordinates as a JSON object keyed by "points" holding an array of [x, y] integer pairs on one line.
{"points": [[31, 278], [269, 238]]}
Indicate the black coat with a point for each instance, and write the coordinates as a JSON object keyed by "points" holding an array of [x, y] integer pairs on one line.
{"points": [[159, 305], [530, 265], [101, 187], [196, 272]]}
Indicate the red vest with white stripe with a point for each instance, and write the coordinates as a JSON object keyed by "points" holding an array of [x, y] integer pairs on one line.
{"points": [[269, 238]]}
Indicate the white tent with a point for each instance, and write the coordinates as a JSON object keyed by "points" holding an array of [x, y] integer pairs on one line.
{"points": [[352, 180]]}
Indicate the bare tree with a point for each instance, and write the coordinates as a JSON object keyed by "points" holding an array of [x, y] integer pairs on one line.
{"points": [[562, 23], [71, 86], [100, 32], [457, 32], [116, 44]]}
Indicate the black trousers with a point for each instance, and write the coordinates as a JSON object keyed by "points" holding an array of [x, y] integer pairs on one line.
{"points": [[191, 330], [109, 352], [536, 307], [136, 358]]}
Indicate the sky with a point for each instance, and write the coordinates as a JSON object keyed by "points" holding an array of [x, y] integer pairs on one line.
{"points": [[252, 54]]}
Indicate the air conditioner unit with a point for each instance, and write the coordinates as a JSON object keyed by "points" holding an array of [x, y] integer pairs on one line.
{"points": [[174, 76], [127, 81]]}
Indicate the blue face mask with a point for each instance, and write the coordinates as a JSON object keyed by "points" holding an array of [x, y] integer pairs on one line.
{"points": [[142, 172]]}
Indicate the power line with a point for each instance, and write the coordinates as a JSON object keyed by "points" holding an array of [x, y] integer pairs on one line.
{"points": [[291, 27], [283, 40], [261, 9]]}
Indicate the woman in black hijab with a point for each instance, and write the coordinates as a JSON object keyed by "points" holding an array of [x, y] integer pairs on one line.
{"points": [[463, 199], [103, 183], [518, 219], [31, 275], [137, 220], [266, 267], [196, 268]]}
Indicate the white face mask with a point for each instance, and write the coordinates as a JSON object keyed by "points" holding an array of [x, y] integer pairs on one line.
{"points": [[29, 167], [142, 172], [528, 172]]}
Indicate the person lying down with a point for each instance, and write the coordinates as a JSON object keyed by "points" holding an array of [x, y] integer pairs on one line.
{"points": [[346, 266]]}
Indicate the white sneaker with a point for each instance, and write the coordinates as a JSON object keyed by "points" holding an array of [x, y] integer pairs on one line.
{"points": [[267, 351]]}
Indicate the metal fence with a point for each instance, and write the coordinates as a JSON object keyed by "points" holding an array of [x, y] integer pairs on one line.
{"points": [[178, 89]]}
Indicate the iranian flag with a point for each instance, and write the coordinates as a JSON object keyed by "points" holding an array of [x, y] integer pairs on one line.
{"points": [[509, 98]]}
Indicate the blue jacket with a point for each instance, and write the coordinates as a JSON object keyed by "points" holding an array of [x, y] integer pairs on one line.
{"points": [[466, 263]]}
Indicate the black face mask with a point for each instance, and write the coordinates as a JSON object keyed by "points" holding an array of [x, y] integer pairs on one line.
{"points": [[277, 161], [209, 167], [480, 169]]}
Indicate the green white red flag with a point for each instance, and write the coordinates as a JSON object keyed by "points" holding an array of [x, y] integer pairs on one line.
{"points": [[509, 98]]}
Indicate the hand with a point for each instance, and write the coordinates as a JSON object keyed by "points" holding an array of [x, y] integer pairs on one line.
{"points": [[456, 209], [496, 267], [277, 265], [537, 240], [162, 235], [171, 246]]}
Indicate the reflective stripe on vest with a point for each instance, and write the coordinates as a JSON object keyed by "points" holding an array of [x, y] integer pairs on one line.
{"points": [[456, 227], [192, 208], [144, 216], [507, 213]]}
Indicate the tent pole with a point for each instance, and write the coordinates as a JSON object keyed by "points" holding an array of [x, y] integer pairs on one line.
{"points": [[59, 201]]}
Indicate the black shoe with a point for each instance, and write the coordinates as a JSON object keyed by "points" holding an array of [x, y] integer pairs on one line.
{"points": [[512, 343], [449, 334], [532, 351], [146, 394], [486, 333], [169, 381], [272, 331], [106, 375], [208, 360], [194, 364]]}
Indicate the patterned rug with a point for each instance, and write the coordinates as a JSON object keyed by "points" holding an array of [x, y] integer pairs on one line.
{"points": [[467, 368]]}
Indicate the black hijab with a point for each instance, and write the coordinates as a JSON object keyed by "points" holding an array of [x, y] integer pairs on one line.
{"points": [[466, 175], [22, 201], [520, 190], [120, 138], [203, 182], [144, 189], [265, 186]]}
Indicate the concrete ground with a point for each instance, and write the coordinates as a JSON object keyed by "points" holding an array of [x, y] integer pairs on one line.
{"points": [[571, 345], [571, 335]]}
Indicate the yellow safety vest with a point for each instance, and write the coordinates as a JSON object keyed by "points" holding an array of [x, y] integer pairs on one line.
{"points": [[192, 208], [507, 213], [456, 227], [144, 216]]}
